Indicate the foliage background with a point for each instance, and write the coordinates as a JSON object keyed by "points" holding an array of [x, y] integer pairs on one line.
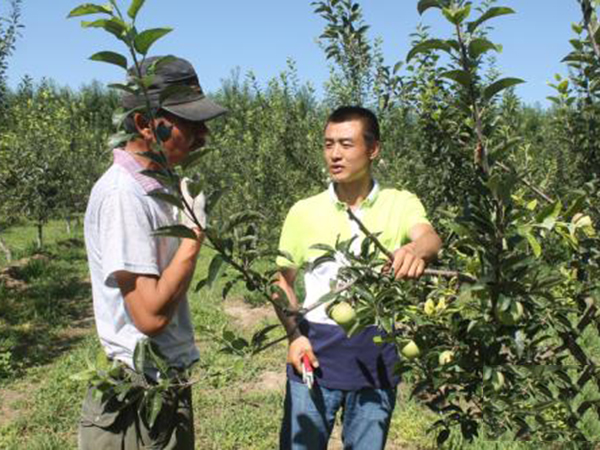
{"points": [[268, 150]]}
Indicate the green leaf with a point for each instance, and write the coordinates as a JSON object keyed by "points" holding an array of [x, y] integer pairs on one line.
{"points": [[462, 77], [549, 211], [500, 85], [323, 247], [212, 200], [239, 344], [90, 8], [442, 437], [427, 46], [228, 336], [534, 244], [261, 335], [457, 16], [135, 7], [242, 218], [139, 356], [499, 150], [156, 404], [479, 46], [193, 158], [214, 270], [146, 38], [111, 58], [424, 5], [158, 158], [489, 14], [179, 231], [120, 115], [158, 358], [578, 57], [114, 26], [119, 139], [169, 198], [123, 87], [85, 376]]}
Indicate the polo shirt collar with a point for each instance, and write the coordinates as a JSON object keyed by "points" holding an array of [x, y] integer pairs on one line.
{"points": [[134, 168], [366, 203]]}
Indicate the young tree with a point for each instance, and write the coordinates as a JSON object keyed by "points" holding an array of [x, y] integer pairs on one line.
{"points": [[498, 352]]}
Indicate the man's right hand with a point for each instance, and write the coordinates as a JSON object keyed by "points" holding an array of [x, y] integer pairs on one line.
{"points": [[298, 348]]}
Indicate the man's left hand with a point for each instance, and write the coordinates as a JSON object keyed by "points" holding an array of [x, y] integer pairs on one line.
{"points": [[407, 263]]}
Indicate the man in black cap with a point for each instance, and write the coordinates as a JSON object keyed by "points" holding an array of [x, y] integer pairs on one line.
{"points": [[139, 280]]}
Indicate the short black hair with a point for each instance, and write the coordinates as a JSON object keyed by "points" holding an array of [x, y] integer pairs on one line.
{"points": [[366, 116]]}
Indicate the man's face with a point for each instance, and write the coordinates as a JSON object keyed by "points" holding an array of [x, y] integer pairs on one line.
{"points": [[346, 153], [186, 136]]}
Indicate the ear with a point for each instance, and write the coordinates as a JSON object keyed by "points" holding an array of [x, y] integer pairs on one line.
{"points": [[142, 125], [374, 151]]}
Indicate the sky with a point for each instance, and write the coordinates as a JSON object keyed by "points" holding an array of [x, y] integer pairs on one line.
{"points": [[222, 36]]}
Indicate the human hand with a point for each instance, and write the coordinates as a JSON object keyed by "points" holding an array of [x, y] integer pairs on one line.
{"points": [[196, 203], [407, 263], [298, 348]]}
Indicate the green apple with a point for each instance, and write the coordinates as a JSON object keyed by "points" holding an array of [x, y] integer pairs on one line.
{"points": [[446, 357], [512, 315], [411, 350], [343, 314]]}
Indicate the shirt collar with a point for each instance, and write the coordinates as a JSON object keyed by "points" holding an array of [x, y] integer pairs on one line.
{"points": [[366, 203], [134, 168]]}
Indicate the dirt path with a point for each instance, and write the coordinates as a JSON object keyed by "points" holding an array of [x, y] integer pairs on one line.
{"points": [[245, 315]]}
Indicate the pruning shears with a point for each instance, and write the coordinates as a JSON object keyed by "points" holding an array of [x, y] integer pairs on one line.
{"points": [[308, 376]]}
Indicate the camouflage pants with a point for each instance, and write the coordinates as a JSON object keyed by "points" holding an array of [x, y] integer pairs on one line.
{"points": [[107, 425]]}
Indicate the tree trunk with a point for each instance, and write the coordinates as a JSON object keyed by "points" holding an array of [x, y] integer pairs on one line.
{"points": [[40, 235], [5, 250], [68, 224]]}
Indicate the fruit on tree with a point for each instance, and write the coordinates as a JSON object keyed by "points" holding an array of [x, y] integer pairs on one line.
{"points": [[411, 350], [343, 314], [512, 315], [446, 357]]}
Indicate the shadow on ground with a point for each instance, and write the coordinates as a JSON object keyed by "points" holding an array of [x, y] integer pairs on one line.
{"points": [[45, 307]]}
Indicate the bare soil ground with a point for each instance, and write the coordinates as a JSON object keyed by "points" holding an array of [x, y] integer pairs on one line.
{"points": [[9, 404], [245, 315]]}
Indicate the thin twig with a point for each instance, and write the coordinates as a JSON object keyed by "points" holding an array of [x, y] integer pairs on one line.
{"points": [[527, 183], [431, 272]]}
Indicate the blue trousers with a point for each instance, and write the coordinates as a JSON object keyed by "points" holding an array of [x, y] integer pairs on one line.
{"points": [[309, 417]]}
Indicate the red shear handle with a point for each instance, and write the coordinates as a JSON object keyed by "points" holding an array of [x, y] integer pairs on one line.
{"points": [[307, 365]]}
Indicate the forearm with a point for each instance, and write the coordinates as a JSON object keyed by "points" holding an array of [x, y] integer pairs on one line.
{"points": [[151, 301], [175, 279], [289, 321]]}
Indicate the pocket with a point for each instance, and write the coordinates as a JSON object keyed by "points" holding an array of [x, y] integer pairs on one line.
{"points": [[103, 414]]}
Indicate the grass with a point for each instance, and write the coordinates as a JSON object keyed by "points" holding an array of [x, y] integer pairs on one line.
{"points": [[45, 339]]}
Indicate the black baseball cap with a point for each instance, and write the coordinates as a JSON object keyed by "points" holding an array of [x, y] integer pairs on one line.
{"points": [[168, 73]]}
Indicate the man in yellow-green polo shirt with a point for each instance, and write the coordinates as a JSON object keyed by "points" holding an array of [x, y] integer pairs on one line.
{"points": [[351, 373]]}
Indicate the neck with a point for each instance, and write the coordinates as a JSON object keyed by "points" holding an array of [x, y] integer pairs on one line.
{"points": [[354, 192], [137, 146]]}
